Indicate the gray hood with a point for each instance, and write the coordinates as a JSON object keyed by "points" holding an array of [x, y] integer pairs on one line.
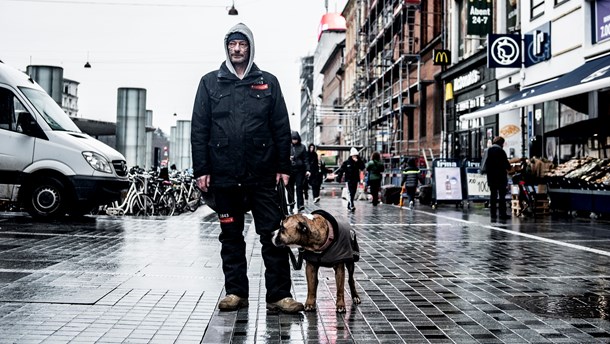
{"points": [[241, 28]]}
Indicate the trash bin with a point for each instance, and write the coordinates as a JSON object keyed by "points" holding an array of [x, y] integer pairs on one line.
{"points": [[425, 194], [390, 194]]}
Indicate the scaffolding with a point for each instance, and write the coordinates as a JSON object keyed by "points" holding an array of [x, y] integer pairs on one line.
{"points": [[388, 74]]}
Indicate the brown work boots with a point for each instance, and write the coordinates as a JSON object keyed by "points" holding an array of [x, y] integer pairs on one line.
{"points": [[285, 305], [233, 302]]}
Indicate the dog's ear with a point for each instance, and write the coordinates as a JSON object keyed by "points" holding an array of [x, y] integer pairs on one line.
{"points": [[303, 228]]}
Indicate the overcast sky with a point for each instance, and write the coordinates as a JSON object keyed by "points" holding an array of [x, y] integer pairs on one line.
{"points": [[163, 46]]}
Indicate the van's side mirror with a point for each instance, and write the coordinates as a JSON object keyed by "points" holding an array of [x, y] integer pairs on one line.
{"points": [[27, 124]]}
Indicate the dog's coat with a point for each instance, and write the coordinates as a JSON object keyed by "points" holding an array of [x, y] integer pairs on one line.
{"points": [[325, 242], [339, 250]]}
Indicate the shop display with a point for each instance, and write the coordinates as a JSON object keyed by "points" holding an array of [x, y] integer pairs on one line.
{"points": [[583, 173], [580, 185]]}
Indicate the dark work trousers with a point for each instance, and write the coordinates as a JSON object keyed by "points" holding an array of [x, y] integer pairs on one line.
{"points": [[498, 195], [316, 184], [231, 204], [296, 180], [352, 187], [374, 186], [410, 190]]}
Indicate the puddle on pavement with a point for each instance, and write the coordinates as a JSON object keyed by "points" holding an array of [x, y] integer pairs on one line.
{"points": [[574, 306]]}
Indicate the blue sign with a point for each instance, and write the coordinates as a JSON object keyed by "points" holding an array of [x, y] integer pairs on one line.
{"points": [[537, 45], [602, 20], [503, 51]]}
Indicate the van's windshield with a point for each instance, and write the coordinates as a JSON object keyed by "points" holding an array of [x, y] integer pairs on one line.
{"points": [[49, 110]]}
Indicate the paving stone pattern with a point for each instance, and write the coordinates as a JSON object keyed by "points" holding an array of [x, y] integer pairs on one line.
{"points": [[425, 276]]}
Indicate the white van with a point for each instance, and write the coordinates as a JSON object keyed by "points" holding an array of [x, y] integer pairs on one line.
{"points": [[47, 164]]}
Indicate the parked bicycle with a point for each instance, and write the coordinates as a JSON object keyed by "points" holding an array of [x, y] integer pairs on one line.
{"points": [[188, 195], [136, 201]]}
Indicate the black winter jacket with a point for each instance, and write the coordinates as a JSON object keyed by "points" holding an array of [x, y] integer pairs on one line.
{"points": [[240, 131], [351, 169], [497, 166], [298, 155]]}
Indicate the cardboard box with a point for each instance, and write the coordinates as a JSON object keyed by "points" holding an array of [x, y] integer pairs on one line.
{"points": [[541, 189]]}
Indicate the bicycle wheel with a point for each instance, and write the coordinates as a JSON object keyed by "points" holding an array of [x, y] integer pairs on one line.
{"points": [[142, 205], [166, 205], [195, 199]]}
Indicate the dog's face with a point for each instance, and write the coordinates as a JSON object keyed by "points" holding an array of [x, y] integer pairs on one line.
{"points": [[303, 230]]}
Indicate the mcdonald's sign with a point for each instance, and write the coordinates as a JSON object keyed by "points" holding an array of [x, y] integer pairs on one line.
{"points": [[441, 57]]}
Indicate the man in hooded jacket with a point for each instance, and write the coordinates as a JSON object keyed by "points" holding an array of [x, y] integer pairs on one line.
{"points": [[240, 138], [298, 172]]}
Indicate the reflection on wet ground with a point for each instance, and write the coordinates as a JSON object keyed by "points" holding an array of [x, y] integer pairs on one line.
{"points": [[425, 276]]}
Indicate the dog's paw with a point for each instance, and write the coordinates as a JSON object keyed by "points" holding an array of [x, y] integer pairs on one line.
{"points": [[310, 307], [356, 300], [340, 309]]}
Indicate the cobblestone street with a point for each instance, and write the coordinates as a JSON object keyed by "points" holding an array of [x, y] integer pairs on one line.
{"points": [[425, 276]]}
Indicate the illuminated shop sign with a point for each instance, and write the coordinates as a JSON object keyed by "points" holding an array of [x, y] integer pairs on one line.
{"points": [[466, 80]]}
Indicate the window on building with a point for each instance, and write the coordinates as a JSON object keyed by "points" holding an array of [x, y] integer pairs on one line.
{"points": [[423, 114], [536, 8], [475, 22], [512, 16], [438, 114], [410, 125]]}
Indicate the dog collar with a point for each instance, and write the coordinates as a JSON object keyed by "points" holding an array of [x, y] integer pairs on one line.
{"points": [[329, 239]]}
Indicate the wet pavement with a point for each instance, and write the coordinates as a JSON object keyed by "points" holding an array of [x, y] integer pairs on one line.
{"points": [[446, 275]]}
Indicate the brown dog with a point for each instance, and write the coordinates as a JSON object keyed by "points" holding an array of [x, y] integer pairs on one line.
{"points": [[326, 243]]}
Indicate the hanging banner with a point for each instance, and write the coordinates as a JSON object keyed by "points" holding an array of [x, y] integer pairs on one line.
{"points": [[479, 17]]}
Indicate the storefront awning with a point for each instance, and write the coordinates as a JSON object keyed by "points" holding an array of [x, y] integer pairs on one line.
{"points": [[582, 129], [591, 76]]}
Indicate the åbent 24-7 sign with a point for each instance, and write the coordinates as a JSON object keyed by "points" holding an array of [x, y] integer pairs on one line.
{"points": [[479, 17]]}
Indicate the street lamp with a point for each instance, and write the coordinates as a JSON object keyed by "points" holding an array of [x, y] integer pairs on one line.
{"points": [[232, 10], [87, 64]]}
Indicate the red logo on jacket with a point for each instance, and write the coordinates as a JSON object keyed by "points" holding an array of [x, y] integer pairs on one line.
{"points": [[260, 87]]}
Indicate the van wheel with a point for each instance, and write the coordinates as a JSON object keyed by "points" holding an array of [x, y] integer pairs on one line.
{"points": [[47, 198]]}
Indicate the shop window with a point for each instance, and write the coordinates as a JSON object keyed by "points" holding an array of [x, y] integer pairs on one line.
{"points": [[536, 8], [568, 115], [551, 115]]}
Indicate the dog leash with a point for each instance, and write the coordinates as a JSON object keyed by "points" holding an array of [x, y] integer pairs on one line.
{"points": [[297, 263]]}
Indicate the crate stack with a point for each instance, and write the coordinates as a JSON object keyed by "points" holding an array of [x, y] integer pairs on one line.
{"points": [[515, 204], [542, 206]]}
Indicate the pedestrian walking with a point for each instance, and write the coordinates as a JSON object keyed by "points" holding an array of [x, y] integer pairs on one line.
{"points": [[496, 166], [299, 172], [410, 181], [317, 170], [351, 168], [374, 169], [240, 140]]}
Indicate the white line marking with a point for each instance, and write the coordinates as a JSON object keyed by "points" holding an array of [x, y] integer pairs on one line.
{"points": [[530, 236], [402, 224]]}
